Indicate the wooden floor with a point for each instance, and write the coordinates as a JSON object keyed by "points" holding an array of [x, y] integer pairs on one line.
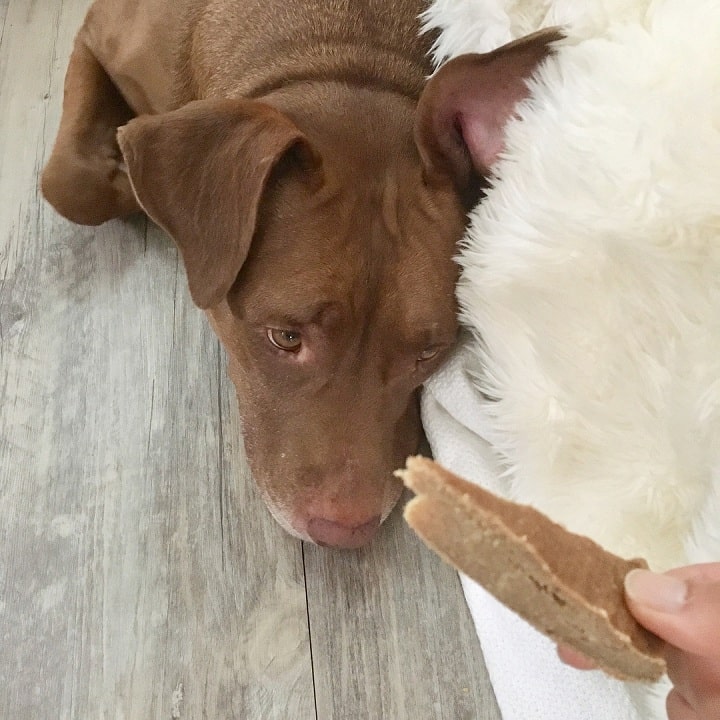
{"points": [[140, 575]]}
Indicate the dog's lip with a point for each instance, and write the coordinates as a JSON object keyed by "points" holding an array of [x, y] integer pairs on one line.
{"points": [[294, 517], [327, 533], [281, 516], [299, 529]]}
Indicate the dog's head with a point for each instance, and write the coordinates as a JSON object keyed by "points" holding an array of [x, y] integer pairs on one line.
{"points": [[318, 230]]}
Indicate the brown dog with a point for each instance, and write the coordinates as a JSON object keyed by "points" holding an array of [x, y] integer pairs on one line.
{"points": [[275, 142]]}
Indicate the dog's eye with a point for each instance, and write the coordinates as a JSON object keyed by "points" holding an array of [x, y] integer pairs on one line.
{"points": [[288, 340], [428, 354]]}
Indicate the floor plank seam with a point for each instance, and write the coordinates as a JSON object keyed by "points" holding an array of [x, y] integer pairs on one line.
{"points": [[310, 644], [221, 455]]}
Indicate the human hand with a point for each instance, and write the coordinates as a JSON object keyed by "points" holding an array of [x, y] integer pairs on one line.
{"points": [[683, 608]]}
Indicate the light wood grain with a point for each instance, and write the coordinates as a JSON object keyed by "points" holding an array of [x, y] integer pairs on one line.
{"points": [[140, 575], [3, 13], [391, 634]]}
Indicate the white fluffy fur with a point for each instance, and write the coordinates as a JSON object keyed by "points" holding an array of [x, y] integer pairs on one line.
{"points": [[591, 272], [483, 25]]}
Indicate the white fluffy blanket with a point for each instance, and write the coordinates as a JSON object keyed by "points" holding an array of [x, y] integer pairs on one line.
{"points": [[591, 283]]}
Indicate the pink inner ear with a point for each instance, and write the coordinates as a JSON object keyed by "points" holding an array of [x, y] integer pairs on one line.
{"points": [[471, 99], [484, 138], [483, 116]]}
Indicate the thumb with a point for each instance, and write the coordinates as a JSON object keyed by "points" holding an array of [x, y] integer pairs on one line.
{"points": [[682, 608]]}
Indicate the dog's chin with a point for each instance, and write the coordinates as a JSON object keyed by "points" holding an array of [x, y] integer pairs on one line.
{"points": [[282, 517], [297, 526]]}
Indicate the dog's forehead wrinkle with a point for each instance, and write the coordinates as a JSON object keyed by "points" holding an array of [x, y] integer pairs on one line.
{"points": [[377, 114], [328, 295], [284, 308], [390, 204]]}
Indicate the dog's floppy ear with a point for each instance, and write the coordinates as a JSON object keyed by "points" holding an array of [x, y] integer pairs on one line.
{"points": [[466, 104], [199, 172]]}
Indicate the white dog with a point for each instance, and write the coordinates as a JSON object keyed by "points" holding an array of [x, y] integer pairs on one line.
{"points": [[591, 271]]}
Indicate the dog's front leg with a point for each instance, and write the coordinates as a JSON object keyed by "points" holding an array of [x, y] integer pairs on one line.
{"points": [[84, 179]]}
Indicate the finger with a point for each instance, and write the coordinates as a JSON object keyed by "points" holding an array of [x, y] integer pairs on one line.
{"points": [[702, 572], [683, 611], [678, 709], [697, 680], [575, 659]]}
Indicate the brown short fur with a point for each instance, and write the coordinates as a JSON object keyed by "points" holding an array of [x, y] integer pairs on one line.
{"points": [[276, 142]]}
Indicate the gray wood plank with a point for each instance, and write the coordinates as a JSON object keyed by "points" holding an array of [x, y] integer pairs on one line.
{"points": [[391, 634], [3, 12]]}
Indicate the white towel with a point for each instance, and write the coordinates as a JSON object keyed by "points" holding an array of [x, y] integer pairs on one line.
{"points": [[529, 680]]}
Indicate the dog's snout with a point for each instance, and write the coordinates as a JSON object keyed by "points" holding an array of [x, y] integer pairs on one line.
{"points": [[330, 533]]}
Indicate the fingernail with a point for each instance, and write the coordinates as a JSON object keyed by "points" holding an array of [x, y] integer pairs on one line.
{"points": [[663, 593]]}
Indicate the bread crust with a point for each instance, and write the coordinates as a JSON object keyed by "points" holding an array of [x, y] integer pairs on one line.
{"points": [[563, 584]]}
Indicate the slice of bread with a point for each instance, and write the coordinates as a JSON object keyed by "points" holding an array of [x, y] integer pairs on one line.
{"points": [[565, 585]]}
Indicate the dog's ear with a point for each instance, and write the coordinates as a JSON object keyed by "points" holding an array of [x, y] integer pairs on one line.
{"points": [[199, 172], [466, 104]]}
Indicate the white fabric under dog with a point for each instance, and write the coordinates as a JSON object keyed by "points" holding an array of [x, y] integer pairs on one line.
{"points": [[529, 680]]}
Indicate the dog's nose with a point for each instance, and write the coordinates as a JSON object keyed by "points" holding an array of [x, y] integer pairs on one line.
{"points": [[329, 533]]}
